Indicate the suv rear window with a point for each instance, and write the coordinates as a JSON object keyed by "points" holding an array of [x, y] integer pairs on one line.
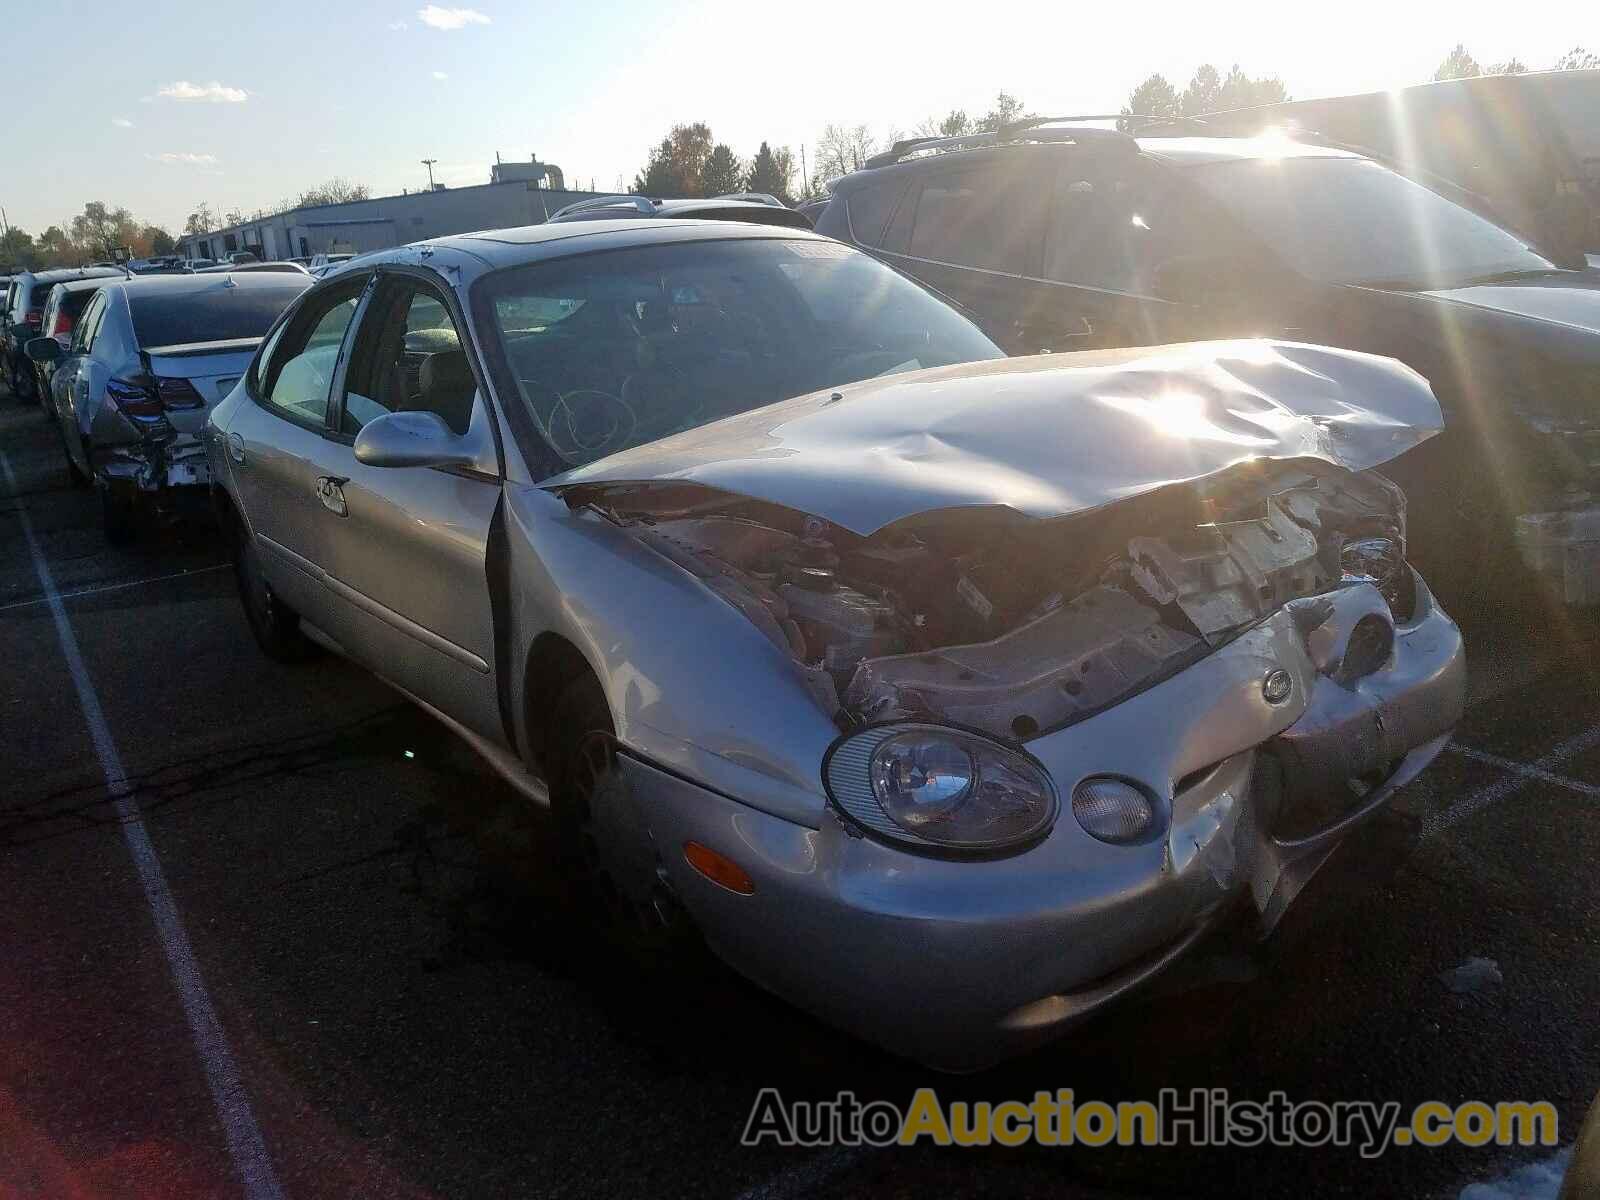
{"points": [[174, 320], [870, 208]]}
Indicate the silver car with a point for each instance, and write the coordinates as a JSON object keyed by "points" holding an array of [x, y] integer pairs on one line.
{"points": [[947, 695], [148, 359]]}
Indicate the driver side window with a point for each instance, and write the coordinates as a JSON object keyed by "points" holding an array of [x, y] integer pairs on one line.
{"points": [[410, 359]]}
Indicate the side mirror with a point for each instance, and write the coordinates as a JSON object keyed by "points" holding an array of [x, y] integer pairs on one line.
{"points": [[43, 350], [411, 439]]}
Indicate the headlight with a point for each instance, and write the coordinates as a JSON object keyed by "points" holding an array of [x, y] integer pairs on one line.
{"points": [[1383, 561], [926, 785]]}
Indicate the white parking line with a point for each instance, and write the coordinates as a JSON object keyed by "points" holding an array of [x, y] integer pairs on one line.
{"points": [[112, 587], [1437, 822], [804, 1177], [1529, 773], [1532, 1181], [245, 1144]]}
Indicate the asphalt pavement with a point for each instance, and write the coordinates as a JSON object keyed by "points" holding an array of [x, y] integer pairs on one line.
{"points": [[401, 1003]]}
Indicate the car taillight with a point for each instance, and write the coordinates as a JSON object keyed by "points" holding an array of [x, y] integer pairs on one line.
{"points": [[63, 325], [134, 398], [35, 317], [178, 393]]}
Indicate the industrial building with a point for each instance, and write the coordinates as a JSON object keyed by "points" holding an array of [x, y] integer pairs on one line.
{"points": [[518, 195]]}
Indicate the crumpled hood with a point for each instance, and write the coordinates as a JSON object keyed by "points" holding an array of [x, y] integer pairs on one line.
{"points": [[1046, 436]]}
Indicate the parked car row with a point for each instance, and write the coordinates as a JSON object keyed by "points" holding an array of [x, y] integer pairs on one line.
{"points": [[944, 681], [129, 367]]}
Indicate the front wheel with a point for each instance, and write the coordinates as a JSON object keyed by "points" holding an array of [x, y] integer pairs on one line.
{"points": [[275, 625], [610, 859]]}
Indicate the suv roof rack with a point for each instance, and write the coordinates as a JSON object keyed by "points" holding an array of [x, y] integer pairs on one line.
{"points": [[1030, 129], [642, 203]]}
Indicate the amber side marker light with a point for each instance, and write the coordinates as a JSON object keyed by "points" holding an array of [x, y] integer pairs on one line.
{"points": [[721, 870]]}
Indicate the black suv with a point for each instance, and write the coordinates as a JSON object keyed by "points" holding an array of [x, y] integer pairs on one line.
{"points": [[1062, 237]]}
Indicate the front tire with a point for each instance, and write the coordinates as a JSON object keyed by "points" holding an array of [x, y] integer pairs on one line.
{"points": [[275, 625], [612, 866], [75, 475]]}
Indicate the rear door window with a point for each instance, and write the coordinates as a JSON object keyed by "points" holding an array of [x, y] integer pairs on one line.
{"points": [[974, 218], [304, 356], [83, 337]]}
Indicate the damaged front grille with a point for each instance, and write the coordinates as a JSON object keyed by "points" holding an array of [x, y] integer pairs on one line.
{"points": [[1016, 626]]}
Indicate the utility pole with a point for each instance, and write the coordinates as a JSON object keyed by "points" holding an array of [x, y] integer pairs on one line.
{"points": [[805, 175], [428, 162]]}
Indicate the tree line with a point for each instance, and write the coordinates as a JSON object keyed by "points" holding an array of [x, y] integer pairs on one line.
{"points": [[94, 234], [689, 162], [1459, 64]]}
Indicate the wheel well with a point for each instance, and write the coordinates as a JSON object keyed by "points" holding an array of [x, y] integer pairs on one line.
{"points": [[553, 663]]}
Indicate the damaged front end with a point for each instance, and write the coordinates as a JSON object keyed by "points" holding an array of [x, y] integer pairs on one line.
{"points": [[1115, 650], [1215, 681], [1015, 627]]}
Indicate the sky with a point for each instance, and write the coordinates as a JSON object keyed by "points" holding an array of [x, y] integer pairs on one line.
{"points": [[161, 106]]}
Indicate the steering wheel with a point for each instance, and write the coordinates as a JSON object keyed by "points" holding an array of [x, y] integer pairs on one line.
{"points": [[663, 397], [586, 424]]}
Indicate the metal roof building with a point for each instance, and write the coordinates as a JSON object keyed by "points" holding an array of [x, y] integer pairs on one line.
{"points": [[382, 221]]}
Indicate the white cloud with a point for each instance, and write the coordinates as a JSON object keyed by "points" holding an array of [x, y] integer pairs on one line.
{"points": [[213, 92], [183, 158], [450, 18], [399, 26], [122, 122], [440, 75]]}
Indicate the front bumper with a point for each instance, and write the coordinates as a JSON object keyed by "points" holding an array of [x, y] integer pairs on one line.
{"points": [[960, 963]]}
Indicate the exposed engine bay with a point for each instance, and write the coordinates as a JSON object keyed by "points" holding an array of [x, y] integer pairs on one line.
{"points": [[1014, 625]]}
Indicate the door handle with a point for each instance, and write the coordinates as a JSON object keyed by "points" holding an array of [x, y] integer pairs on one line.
{"points": [[330, 490]]}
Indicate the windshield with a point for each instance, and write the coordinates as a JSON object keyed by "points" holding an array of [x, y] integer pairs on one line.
{"points": [[1350, 220], [617, 349]]}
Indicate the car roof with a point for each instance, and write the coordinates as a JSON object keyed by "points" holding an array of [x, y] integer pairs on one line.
{"points": [[80, 285], [181, 285], [497, 248], [56, 274], [1189, 150], [1182, 150]]}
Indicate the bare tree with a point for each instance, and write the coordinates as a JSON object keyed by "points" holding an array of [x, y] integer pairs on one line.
{"points": [[844, 148]]}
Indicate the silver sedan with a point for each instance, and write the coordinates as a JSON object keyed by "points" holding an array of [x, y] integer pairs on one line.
{"points": [[948, 695]]}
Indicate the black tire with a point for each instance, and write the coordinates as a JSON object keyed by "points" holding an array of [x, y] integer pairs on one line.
{"points": [[275, 625], [75, 475], [24, 383], [639, 913], [116, 517]]}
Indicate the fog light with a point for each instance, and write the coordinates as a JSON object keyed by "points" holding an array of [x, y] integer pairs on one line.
{"points": [[1275, 688], [1113, 810], [1371, 642]]}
